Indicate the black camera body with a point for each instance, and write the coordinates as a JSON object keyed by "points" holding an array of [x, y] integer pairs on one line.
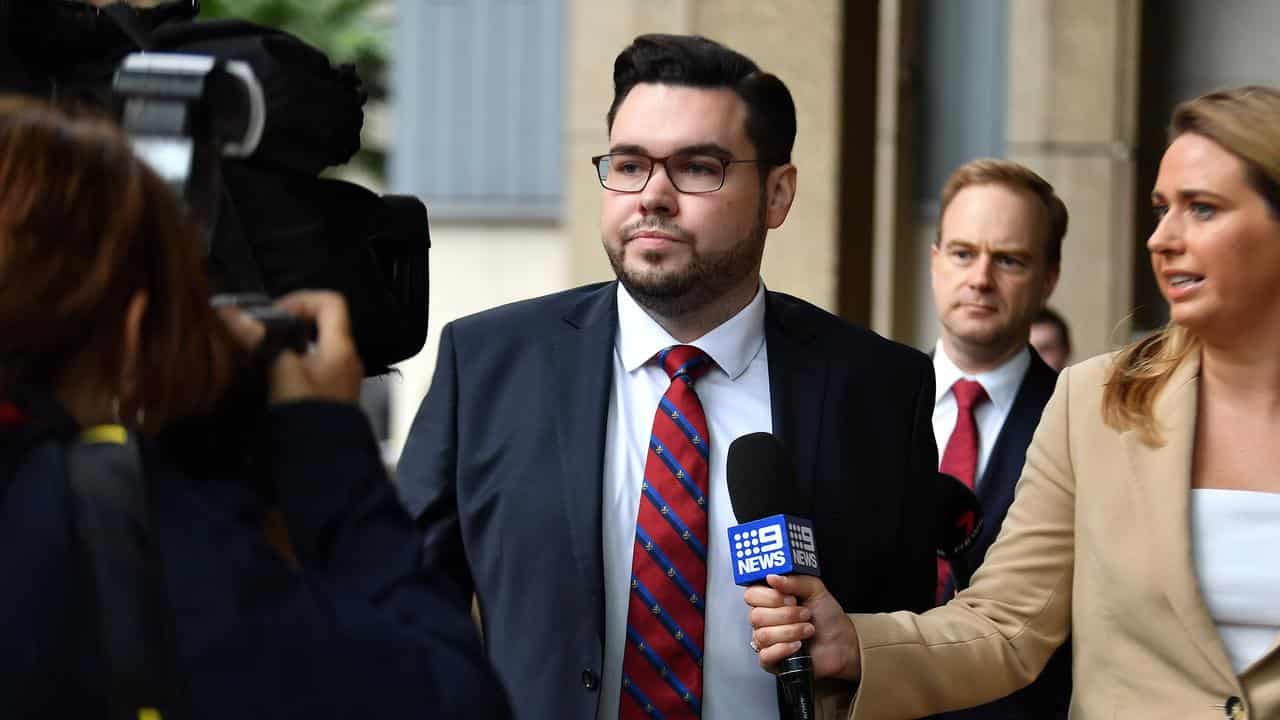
{"points": [[240, 120], [182, 114]]}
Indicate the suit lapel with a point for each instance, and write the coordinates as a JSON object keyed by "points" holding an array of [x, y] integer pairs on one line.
{"points": [[797, 387], [1163, 477], [1004, 468], [995, 489], [582, 356]]}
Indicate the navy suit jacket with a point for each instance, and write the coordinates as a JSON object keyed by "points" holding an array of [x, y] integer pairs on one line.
{"points": [[503, 469], [1050, 695], [355, 629]]}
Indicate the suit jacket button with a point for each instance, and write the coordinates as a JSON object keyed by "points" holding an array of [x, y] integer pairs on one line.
{"points": [[1235, 708], [590, 680]]}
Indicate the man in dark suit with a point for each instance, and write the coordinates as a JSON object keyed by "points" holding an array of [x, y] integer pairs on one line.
{"points": [[568, 462], [994, 263]]}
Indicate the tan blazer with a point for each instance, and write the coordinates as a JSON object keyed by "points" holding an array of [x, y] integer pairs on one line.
{"points": [[1097, 544]]}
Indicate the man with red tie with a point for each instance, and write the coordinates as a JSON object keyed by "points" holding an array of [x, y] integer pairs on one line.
{"points": [[993, 265], [568, 462]]}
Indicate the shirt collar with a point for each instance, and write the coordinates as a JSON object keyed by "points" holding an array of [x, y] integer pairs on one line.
{"points": [[731, 345], [1001, 384]]}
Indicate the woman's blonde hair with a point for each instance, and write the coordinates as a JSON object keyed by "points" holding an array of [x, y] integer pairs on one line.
{"points": [[1245, 122]]}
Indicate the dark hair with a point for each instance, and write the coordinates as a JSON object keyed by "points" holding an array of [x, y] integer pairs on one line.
{"points": [[991, 171], [1047, 315], [695, 61], [84, 226]]}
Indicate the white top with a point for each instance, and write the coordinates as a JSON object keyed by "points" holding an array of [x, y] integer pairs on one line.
{"points": [[1001, 385], [735, 397], [1234, 536]]}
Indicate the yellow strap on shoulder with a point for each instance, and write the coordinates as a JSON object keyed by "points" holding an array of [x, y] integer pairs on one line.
{"points": [[105, 435], [148, 713]]}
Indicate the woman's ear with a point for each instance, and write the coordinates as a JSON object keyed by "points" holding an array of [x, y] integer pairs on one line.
{"points": [[134, 314]]}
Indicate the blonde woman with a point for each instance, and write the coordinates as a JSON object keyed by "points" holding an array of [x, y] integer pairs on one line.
{"points": [[1147, 520]]}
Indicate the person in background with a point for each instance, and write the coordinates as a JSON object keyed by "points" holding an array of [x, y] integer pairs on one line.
{"points": [[1051, 337], [290, 581], [994, 263], [1149, 509], [568, 462]]}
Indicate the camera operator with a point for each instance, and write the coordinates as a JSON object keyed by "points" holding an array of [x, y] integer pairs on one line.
{"points": [[290, 577]]}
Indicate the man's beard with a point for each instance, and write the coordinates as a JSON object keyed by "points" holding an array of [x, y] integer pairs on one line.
{"points": [[705, 279]]}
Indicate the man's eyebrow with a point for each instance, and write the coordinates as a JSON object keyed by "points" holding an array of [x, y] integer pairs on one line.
{"points": [[628, 150], [960, 243], [713, 149], [1018, 253]]}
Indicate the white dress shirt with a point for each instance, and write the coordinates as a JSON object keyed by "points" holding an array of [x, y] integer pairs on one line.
{"points": [[1001, 385], [735, 397], [1234, 534]]}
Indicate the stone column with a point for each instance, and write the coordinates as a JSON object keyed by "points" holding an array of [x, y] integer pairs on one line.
{"points": [[898, 296], [1073, 69]]}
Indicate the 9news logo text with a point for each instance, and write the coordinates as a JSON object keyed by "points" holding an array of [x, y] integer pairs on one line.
{"points": [[778, 544]]}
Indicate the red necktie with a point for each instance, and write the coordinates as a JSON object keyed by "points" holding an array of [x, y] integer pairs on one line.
{"points": [[662, 663], [960, 458]]}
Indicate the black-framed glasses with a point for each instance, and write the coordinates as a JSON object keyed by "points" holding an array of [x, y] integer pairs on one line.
{"points": [[689, 172]]}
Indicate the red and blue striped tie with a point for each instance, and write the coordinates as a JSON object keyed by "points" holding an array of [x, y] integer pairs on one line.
{"points": [[662, 663]]}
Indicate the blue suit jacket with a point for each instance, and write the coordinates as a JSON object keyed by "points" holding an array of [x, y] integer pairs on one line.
{"points": [[1050, 695], [503, 469]]}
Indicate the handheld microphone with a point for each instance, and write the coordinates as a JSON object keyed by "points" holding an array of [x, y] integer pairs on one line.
{"points": [[957, 524], [772, 538]]}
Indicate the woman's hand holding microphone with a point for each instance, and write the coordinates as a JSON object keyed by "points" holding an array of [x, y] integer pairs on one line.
{"points": [[796, 608]]}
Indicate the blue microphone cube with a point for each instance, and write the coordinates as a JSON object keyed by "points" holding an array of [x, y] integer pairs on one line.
{"points": [[777, 545]]}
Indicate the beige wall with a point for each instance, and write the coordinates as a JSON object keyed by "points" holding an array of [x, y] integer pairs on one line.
{"points": [[1073, 118], [800, 257], [901, 307], [473, 268]]}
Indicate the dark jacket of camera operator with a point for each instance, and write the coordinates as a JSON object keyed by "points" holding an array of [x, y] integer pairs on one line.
{"points": [[352, 631], [278, 575]]}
